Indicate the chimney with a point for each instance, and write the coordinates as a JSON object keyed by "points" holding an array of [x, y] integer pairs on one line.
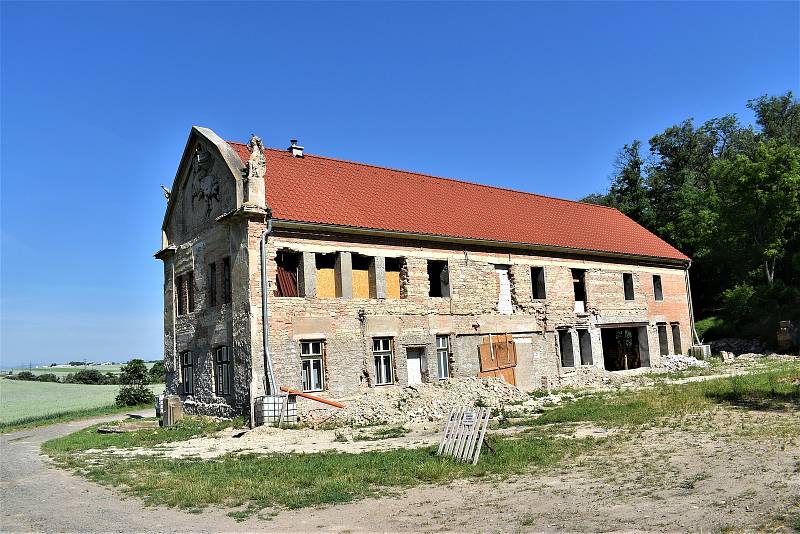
{"points": [[297, 150]]}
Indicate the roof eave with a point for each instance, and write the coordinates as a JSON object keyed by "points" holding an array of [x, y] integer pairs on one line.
{"points": [[305, 225]]}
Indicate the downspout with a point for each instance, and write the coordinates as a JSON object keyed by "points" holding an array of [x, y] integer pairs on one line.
{"points": [[270, 387], [691, 307]]}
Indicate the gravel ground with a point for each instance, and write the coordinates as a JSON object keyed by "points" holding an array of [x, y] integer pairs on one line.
{"points": [[39, 498]]}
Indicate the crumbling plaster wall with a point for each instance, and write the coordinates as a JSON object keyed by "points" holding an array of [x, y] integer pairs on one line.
{"points": [[470, 313]]}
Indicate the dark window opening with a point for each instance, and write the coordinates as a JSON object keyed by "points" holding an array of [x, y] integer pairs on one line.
{"points": [[364, 277], [565, 343], [658, 292], [224, 371], [537, 282], [190, 289], [227, 287], [579, 289], [585, 343], [182, 295], [212, 284], [620, 348], [286, 263], [663, 343], [676, 338], [627, 282], [438, 279], [394, 279], [187, 373]]}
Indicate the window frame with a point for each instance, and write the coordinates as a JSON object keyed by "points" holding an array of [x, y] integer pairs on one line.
{"points": [[223, 371], [565, 334], [386, 362], [187, 372], [443, 355], [310, 357]]}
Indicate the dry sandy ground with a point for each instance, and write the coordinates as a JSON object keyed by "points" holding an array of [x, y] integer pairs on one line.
{"points": [[665, 480]]}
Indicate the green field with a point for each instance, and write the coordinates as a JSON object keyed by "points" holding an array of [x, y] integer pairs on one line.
{"points": [[31, 403]]}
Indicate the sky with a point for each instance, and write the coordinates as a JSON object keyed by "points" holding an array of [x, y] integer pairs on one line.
{"points": [[97, 99]]}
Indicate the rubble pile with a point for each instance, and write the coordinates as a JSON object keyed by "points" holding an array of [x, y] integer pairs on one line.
{"points": [[738, 345], [679, 362], [421, 403]]}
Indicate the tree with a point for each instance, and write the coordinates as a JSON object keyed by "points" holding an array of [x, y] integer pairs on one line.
{"points": [[157, 373], [628, 192], [762, 201], [134, 379], [778, 117]]}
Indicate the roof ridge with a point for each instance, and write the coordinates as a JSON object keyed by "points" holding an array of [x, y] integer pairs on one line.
{"points": [[456, 180]]}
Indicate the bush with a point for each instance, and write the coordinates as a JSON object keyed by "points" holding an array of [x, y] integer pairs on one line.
{"points": [[47, 377], [89, 376], [26, 375], [134, 396]]}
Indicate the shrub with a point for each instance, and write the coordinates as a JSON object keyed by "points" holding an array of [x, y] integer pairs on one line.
{"points": [[134, 396], [47, 377], [89, 376], [26, 375]]}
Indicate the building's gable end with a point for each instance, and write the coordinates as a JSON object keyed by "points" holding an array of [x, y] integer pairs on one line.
{"points": [[208, 184]]}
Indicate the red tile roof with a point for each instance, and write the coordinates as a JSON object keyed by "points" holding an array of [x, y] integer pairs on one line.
{"points": [[324, 190]]}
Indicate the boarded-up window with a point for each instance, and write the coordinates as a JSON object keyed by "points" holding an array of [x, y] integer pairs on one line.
{"points": [[362, 266], [438, 278], [326, 276], [658, 292], [182, 295], [567, 354], [393, 266], [286, 273], [537, 282], [504, 297], [627, 283]]}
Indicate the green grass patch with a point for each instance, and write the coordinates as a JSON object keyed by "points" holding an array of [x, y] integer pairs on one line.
{"points": [[89, 438], [299, 480]]}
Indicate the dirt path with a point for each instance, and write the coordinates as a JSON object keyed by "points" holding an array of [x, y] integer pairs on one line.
{"points": [[37, 497]]}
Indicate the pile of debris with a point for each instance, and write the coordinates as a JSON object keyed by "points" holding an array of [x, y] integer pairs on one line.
{"points": [[422, 403], [679, 362]]}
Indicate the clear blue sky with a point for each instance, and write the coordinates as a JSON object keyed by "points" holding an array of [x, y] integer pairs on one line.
{"points": [[98, 99]]}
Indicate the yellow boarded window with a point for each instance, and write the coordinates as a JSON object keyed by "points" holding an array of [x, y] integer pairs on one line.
{"points": [[393, 278], [326, 278], [361, 266]]}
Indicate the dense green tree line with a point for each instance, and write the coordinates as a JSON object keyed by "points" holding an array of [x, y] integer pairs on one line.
{"points": [[728, 196]]}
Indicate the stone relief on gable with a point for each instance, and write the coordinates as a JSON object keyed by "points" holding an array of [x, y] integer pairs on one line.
{"points": [[205, 183]]}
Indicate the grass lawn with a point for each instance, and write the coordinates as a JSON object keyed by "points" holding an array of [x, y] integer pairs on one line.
{"points": [[25, 404], [299, 480]]}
